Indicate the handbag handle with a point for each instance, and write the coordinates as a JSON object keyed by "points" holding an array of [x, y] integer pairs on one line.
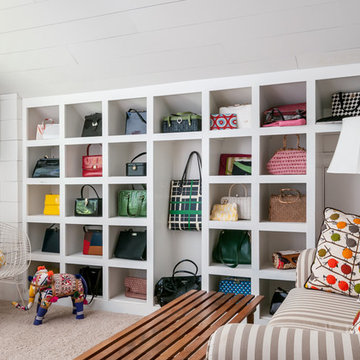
{"points": [[138, 114], [87, 230], [185, 271], [49, 120], [82, 191], [283, 196], [184, 176], [243, 187], [53, 226], [88, 149], [285, 143], [142, 197], [137, 156], [342, 103]]}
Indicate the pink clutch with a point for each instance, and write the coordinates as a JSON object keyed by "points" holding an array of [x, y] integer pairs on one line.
{"points": [[285, 115], [296, 122], [135, 287], [288, 161]]}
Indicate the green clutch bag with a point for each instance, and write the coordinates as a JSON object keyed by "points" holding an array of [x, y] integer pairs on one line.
{"points": [[233, 248], [132, 203]]}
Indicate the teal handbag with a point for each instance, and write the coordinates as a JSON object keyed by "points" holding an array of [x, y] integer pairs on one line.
{"points": [[233, 248], [132, 203]]}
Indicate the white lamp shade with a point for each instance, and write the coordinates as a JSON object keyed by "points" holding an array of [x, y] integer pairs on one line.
{"points": [[346, 159]]}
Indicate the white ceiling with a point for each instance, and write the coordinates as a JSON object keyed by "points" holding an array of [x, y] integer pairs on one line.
{"points": [[56, 47]]}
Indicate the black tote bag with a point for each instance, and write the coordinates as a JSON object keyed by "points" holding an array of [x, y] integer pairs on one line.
{"points": [[131, 245], [51, 242]]}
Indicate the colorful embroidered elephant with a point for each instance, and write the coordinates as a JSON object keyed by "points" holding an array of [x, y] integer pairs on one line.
{"points": [[51, 287]]}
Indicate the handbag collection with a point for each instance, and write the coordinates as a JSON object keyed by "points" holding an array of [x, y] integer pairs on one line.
{"points": [[288, 161], [91, 164], [285, 115], [88, 206], [186, 200]]}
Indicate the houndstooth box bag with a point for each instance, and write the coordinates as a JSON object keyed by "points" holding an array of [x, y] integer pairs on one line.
{"points": [[185, 200], [346, 104]]}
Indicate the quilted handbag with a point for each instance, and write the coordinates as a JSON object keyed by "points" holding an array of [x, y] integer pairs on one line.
{"points": [[288, 206], [345, 104], [223, 122], [286, 115], [46, 168], [48, 129], [51, 241], [224, 212], [242, 112], [237, 286], [186, 200], [132, 203], [91, 164], [92, 125], [288, 161], [135, 122], [93, 241], [136, 168], [227, 162], [243, 202], [135, 287], [52, 204], [169, 288], [131, 245], [88, 206], [232, 248], [181, 122]]}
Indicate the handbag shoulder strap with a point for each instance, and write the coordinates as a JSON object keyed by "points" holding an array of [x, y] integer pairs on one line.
{"points": [[82, 191], [88, 149], [138, 114], [137, 156], [184, 176], [243, 187]]}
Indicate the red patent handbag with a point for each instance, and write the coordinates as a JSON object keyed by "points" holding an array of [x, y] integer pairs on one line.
{"points": [[91, 164]]}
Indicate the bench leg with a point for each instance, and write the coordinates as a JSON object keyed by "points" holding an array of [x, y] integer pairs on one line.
{"points": [[250, 318]]}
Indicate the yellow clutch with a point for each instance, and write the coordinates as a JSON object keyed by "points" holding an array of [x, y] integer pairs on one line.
{"points": [[225, 212], [52, 204]]}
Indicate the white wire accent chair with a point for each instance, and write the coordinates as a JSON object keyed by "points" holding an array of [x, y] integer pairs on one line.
{"points": [[15, 245]]}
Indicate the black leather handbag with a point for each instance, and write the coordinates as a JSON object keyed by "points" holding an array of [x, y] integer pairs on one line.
{"points": [[46, 168], [92, 125], [136, 168], [93, 277], [277, 299], [135, 122], [169, 288], [88, 206], [51, 242], [181, 122], [131, 245]]}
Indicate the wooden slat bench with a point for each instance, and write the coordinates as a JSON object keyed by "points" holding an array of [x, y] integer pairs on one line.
{"points": [[180, 329]]}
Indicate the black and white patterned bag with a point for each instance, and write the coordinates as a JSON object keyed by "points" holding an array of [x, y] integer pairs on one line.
{"points": [[346, 104], [185, 201]]}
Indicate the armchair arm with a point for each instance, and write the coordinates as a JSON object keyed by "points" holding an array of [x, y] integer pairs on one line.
{"points": [[303, 266], [264, 342]]}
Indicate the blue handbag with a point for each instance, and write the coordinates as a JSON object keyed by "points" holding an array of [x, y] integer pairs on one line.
{"points": [[135, 122], [235, 286]]}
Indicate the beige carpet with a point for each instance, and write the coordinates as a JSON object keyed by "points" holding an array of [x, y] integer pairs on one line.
{"points": [[60, 336]]}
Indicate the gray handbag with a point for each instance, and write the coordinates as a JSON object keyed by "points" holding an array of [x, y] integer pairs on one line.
{"points": [[135, 122]]}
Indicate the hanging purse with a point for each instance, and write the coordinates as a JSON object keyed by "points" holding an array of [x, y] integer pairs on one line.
{"points": [[135, 287], [223, 122], [136, 168], [135, 122], [169, 288], [51, 242], [233, 285], [131, 245], [93, 241], [224, 212], [92, 125], [52, 204], [88, 206], [46, 168], [186, 200], [288, 161], [91, 164], [278, 298], [132, 203], [286, 115], [242, 112], [48, 129], [181, 122], [233, 248], [243, 202], [287, 206]]}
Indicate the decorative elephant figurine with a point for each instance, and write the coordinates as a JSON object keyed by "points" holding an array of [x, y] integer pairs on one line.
{"points": [[51, 287]]}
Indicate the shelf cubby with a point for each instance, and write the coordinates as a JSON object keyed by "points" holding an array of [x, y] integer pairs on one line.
{"points": [[49, 265], [36, 115], [36, 232], [36, 198]]}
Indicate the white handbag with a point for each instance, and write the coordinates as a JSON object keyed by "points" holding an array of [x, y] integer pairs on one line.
{"points": [[243, 114], [47, 130], [243, 202]]}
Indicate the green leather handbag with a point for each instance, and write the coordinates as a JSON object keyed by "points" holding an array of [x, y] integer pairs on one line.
{"points": [[233, 248], [88, 206], [132, 203]]}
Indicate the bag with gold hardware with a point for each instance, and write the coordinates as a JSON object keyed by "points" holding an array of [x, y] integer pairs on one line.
{"points": [[88, 206], [91, 164], [136, 168], [225, 212], [52, 204], [288, 206], [243, 202]]}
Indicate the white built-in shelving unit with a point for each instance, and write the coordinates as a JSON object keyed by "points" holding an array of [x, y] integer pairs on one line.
{"points": [[166, 157]]}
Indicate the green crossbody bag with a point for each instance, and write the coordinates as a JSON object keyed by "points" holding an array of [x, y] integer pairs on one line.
{"points": [[233, 248], [132, 203]]}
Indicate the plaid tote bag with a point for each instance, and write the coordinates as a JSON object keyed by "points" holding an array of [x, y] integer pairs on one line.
{"points": [[185, 200]]}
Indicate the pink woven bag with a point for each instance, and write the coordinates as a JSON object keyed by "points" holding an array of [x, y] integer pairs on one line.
{"points": [[135, 287], [288, 161]]}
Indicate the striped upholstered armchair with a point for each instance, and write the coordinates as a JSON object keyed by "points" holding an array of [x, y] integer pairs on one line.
{"points": [[309, 324]]}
